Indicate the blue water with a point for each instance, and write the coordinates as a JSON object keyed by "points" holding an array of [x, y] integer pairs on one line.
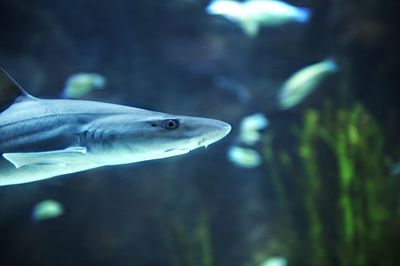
{"points": [[202, 209]]}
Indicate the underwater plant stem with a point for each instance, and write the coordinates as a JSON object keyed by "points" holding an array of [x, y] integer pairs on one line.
{"points": [[170, 244], [346, 172], [184, 243], [357, 142], [275, 178], [309, 158], [203, 234], [279, 187]]}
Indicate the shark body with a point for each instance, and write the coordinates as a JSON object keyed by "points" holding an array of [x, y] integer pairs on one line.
{"points": [[42, 138]]}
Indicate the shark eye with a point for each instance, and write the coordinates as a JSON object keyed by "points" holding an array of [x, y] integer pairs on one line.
{"points": [[170, 124]]}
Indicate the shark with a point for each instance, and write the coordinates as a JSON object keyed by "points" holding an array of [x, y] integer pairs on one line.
{"points": [[45, 138]]}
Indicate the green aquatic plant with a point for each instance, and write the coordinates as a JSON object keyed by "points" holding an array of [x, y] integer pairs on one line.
{"points": [[189, 244], [358, 145], [347, 202], [334, 202], [308, 154], [274, 175]]}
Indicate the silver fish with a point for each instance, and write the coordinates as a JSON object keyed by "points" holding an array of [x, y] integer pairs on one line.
{"points": [[304, 81], [252, 14]]}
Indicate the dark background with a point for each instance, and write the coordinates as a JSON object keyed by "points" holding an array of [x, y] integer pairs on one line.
{"points": [[168, 56]]}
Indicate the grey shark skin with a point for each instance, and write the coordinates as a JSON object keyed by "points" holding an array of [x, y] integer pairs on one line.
{"points": [[41, 138]]}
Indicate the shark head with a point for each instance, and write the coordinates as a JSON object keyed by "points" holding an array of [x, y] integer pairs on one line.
{"points": [[130, 139]]}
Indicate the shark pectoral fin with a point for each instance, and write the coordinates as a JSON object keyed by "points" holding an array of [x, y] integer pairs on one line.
{"points": [[59, 157]]}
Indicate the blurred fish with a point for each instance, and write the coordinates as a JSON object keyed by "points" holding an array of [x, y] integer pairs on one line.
{"points": [[250, 127], [232, 10], [47, 209], [79, 85], [45, 138], [252, 14], [249, 137], [303, 82], [395, 169], [275, 261], [233, 87], [244, 157], [254, 122]]}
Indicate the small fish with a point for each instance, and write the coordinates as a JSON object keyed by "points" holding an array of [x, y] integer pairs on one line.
{"points": [[244, 157], [47, 209], [304, 81], [250, 127], [79, 85], [232, 10], [275, 261], [395, 169], [42, 138], [249, 137], [251, 15], [256, 121], [233, 88]]}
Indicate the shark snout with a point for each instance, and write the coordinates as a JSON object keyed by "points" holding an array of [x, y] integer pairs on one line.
{"points": [[215, 130], [223, 128]]}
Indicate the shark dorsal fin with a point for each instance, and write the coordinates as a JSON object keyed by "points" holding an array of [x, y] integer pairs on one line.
{"points": [[10, 91]]}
